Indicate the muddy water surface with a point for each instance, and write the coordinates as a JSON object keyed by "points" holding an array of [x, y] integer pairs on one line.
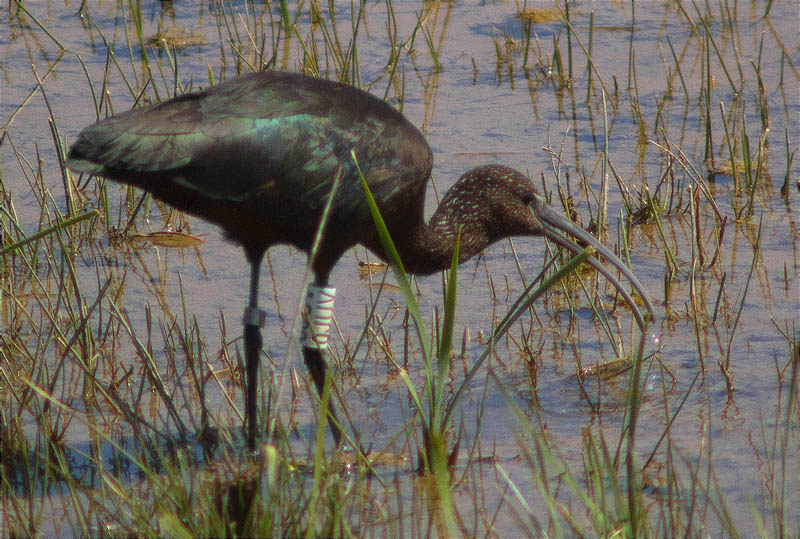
{"points": [[719, 336]]}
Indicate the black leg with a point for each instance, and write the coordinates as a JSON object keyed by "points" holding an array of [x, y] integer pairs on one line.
{"points": [[252, 343], [317, 367], [253, 321]]}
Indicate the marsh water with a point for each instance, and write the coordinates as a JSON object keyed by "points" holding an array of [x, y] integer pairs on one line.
{"points": [[719, 347]]}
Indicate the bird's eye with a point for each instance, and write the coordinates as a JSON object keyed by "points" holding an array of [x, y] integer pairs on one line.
{"points": [[527, 198]]}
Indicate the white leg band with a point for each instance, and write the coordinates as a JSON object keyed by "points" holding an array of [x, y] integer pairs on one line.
{"points": [[319, 316]]}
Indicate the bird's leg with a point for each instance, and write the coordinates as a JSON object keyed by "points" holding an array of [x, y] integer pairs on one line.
{"points": [[316, 332], [253, 322], [319, 310]]}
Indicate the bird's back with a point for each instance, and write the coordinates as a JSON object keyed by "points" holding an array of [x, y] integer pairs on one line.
{"points": [[258, 155]]}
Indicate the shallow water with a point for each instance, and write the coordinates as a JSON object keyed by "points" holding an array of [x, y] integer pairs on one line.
{"points": [[476, 110]]}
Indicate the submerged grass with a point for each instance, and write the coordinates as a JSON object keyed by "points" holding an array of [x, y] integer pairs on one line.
{"points": [[105, 397]]}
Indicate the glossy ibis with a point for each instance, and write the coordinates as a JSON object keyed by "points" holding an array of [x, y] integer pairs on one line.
{"points": [[258, 156]]}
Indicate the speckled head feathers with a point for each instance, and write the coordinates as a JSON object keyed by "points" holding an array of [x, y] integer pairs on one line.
{"points": [[498, 198]]}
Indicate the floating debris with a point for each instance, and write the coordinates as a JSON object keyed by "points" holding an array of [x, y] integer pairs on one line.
{"points": [[607, 370], [170, 239], [177, 37], [365, 270], [540, 16]]}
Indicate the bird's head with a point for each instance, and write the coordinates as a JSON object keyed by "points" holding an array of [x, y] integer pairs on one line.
{"points": [[503, 202], [501, 199]]}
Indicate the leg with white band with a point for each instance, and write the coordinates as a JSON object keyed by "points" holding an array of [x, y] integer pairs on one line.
{"points": [[316, 332]]}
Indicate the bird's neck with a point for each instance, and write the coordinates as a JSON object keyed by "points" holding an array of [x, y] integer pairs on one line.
{"points": [[430, 247]]}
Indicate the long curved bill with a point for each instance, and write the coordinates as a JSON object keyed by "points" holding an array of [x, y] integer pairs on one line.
{"points": [[555, 225]]}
